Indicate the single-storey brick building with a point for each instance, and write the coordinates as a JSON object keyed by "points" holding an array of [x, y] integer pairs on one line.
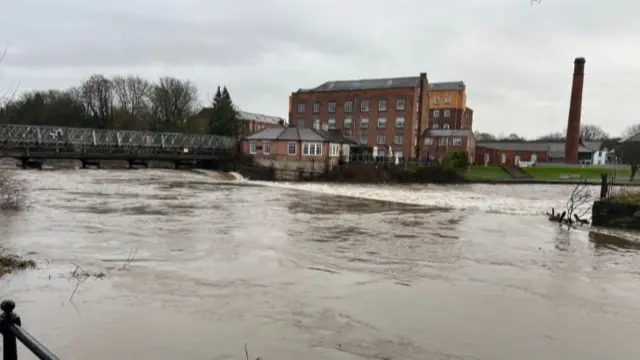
{"points": [[293, 143], [516, 152]]}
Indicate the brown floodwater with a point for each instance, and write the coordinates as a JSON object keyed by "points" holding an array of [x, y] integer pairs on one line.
{"points": [[315, 271]]}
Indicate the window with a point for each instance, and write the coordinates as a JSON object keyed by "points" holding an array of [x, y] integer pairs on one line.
{"points": [[292, 148], [348, 133], [381, 139], [447, 100], [311, 149], [364, 105], [445, 126], [382, 105], [428, 141], [442, 141], [400, 122], [332, 107], [456, 141], [364, 139], [436, 113], [348, 107], [316, 124], [503, 158], [325, 127], [334, 150], [332, 123], [447, 113], [364, 123], [316, 107], [301, 124], [399, 138], [436, 100], [252, 147], [348, 123], [382, 123], [301, 108], [435, 125], [401, 104], [266, 147]]}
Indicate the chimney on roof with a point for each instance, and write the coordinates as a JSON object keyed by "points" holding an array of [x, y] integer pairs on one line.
{"points": [[575, 111]]}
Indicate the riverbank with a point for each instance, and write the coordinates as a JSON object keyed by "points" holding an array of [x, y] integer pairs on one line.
{"points": [[548, 175], [10, 262]]}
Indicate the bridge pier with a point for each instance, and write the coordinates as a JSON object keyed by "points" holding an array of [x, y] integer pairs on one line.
{"points": [[138, 163], [87, 163]]}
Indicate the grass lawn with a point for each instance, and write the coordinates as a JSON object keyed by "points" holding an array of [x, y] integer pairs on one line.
{"points": [[480, 172], [589, 173]]}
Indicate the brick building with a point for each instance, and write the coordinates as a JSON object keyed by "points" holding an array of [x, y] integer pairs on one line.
{"points": [[515, 152], [249, 122], [379, 113], [438, 142]]}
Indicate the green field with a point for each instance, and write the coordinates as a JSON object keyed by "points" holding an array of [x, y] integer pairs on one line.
{"points": [[481, 172], [574, 173]]}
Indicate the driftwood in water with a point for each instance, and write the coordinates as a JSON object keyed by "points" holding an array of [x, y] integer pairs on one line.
{"points": [[563, 219]]}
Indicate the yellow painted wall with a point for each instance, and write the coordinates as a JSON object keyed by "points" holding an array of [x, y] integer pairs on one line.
{"points": [[458, 99]]}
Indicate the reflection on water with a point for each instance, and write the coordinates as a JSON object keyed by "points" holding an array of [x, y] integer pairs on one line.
{"points": [[316, 271]]}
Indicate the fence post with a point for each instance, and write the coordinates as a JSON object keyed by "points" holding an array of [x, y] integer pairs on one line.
{"points": [[604, 186], [7, 319]]}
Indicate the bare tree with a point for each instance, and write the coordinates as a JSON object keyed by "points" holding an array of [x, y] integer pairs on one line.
{"points": [[98, 99], [592, 132], [578, 205], [631, 130], [173, 101], [8, 95], [483, 136], [132, 93], [555, 136]]}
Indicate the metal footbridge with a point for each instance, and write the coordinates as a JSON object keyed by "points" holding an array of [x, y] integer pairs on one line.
{"points": [[36, 143]]}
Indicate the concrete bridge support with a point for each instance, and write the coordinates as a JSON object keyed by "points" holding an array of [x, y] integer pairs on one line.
{"points": [[138, 164]]}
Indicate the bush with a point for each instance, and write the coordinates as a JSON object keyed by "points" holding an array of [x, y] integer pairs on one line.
{"points": [[13, 195], [10, 262], [456, 160]]}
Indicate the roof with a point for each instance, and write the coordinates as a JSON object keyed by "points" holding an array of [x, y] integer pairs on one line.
{"points": [[384, 83], [632, 138], [447, 133], [299, 134], [554, 147], [247, 116]]}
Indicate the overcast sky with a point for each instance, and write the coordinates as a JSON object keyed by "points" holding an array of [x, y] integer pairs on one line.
{"points": [[516, 58]]}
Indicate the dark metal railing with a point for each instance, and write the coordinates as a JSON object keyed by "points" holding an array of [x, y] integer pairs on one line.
{"points": [[11, 330]]}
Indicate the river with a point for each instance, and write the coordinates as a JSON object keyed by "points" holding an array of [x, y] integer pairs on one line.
{"points": [[314, 271]]}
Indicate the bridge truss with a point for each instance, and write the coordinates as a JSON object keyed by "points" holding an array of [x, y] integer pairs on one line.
{"points": [[37, 135]]}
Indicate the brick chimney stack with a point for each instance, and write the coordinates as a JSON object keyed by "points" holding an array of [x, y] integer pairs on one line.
{"points": [[575, 109], [422, 99]]}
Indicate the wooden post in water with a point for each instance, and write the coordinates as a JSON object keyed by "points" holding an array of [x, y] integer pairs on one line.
{"points": [[604, 186]]}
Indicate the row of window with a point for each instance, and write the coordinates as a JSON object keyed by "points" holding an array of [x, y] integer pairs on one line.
{"points": [[436, 113], [308, 149], [456, 141], [401, 105], [349, 123]]}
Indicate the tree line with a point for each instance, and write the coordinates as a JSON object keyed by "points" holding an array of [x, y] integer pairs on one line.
{"points": [[587, 133], [124, 102]]}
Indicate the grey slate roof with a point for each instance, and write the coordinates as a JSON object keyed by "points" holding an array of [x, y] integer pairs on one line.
{"points": [[384, 83], [632, 138], [556, 148], [298, 134], [247, 116]]}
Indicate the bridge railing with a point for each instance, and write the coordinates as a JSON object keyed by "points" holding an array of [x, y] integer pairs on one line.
{"points": [[11, 329], [13, 134]]}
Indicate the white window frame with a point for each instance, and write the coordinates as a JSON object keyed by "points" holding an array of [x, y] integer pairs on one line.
{"points": [[325, 127], [384, 139], [316, 107], [364, 137], [301, 123], [301, 108], [348, 123], [364, 123], [332, 107], [398, 139], [295, 148], [334, 150], [436, 100], [266, 147], [436, 113], [399, 122], [253, 148], [445, 126], [316, 124], [400, 107], [447, 113], [348, 106], [447, 100], [434, 126], [382, 105], [364, 105], [382, 120], [332, 123], [456, 141], [443, 141], [317, 149], [428, 141]]}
